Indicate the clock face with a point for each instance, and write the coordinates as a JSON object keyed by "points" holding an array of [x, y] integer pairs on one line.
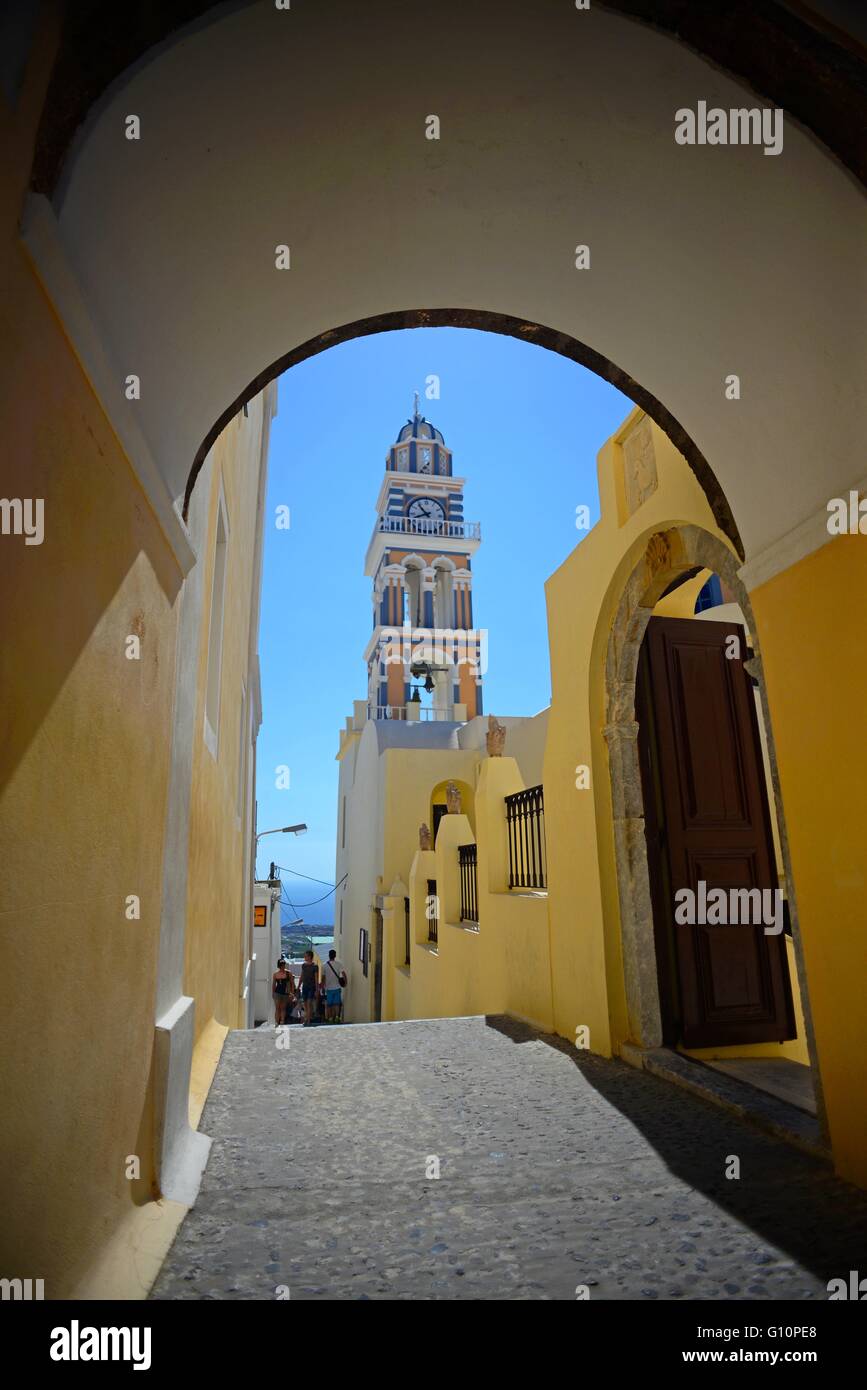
{"points": [[426, 509], [424, 457]]}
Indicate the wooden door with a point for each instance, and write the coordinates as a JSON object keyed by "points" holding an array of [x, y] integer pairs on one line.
{"points": [[707, 818]]}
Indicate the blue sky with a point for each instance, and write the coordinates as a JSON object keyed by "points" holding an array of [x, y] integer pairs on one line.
{"points": [[525, 425]]}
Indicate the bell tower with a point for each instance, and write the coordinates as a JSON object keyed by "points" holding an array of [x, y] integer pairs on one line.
{"points": [[425, 659]]}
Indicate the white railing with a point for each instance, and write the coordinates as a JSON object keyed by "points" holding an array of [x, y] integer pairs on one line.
{"points": [[454, 530], [419, 711]]}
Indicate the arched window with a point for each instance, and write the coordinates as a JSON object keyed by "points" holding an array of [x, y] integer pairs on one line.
{"points": [[443, 594], [412, 595]]}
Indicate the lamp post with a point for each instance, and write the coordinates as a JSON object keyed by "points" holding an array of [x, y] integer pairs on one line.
{"points": [[282, 830]]}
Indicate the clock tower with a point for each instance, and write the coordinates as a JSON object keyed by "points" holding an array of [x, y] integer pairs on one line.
{"points": [[424, 658]]}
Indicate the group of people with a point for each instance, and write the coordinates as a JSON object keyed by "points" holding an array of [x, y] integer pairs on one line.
{"points": [[315, 999]]}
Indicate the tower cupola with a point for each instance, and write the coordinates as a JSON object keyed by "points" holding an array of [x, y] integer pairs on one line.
{"points": [[419, 448]]}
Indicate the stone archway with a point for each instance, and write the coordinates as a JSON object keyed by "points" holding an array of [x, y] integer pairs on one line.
{"points": [[150, 248], [668, 554], [483, 320]]}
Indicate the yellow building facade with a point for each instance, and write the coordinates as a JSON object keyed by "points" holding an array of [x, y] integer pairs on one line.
{"points": [[578, 955]]}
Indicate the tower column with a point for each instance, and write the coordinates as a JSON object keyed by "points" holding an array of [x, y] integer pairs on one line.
{"points": [[428, 580]]}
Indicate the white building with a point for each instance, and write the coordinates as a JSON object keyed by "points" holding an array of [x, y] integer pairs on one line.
{"points": [[266, 945]]}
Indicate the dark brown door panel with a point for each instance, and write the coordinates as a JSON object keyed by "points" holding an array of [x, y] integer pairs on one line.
{"points": [[708, 820]]}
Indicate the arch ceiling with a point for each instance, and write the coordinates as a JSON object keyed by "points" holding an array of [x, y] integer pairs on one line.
{"points": [[806, 57], [306, 127]]}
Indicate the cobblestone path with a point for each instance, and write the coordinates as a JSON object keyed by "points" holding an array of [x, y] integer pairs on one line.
{"points": [[557, 1169]]}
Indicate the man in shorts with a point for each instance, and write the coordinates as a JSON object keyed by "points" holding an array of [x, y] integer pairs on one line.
{"points": [[309, 982], [334, 980]]}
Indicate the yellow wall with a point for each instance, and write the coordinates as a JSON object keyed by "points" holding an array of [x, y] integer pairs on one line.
{"points": [[83, 784], [410, 778], [504, 966], [525, 742], [217, 894], [400, 782], [811, 620], [583, 596], [438, 797]]}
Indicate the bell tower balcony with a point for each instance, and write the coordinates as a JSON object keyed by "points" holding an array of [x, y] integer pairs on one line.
{"points": [[456, 538], [424, 526]]}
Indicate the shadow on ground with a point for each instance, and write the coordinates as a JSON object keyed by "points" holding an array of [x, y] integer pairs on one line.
{"points": [[788, 1198]]}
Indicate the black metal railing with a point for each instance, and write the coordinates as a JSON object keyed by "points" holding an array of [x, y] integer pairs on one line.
{"points": [[406, 928], [432, 908], [525, 822], [468, 857]]}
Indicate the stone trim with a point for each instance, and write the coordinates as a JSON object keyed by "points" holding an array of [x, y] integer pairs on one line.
{"points": [[667, 554]]}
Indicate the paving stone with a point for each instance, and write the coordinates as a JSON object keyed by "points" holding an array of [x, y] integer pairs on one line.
{"points": [[558, 1169]]}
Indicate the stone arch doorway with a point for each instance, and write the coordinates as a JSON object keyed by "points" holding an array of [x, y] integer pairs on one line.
{"points": [[670, 556]]}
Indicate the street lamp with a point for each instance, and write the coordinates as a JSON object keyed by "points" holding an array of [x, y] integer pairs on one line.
{"points": [[282, 830]]}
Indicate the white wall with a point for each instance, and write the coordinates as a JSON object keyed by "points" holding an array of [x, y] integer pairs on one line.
{"points": [[705, 260], [266, 946], [361, 860]]}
